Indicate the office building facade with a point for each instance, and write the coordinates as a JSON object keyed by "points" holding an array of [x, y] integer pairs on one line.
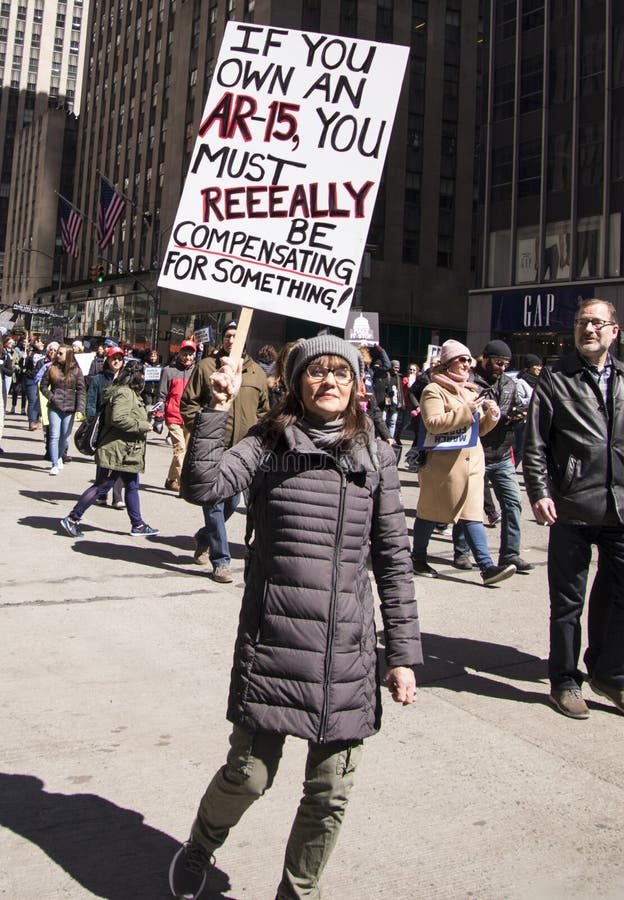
{"points": [[148, 67], [552, 179], [41, 60]]}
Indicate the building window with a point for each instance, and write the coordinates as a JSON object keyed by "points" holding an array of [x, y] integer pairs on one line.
{"points": [[21, 13], [311, 15], [591, 140], [529, 168], [502, 169], [531, 80], [384, 25], [560, 161], [505, 20], [60, 20], [38, 16], [348, 18], [504, 91]]}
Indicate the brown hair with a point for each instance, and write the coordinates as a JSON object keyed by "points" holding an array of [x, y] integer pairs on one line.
{"points": [[65, 370]]}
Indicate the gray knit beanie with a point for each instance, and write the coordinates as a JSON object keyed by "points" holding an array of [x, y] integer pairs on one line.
{"points": [[322, 345]]}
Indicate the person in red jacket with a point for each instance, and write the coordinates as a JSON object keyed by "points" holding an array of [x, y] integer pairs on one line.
{"points": [[173, 380]]}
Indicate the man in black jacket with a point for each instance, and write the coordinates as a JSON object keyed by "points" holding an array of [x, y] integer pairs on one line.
{"points": [[574, 473], [490, 377]]}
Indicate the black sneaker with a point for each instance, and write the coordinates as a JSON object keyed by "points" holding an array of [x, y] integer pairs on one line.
{"points": [[493, 520], [462, 561], [423, 569], [187, 872], [521, 564], [494, 574]]}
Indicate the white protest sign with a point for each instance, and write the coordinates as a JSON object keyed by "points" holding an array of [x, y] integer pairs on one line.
{"points": [[282, 183]]}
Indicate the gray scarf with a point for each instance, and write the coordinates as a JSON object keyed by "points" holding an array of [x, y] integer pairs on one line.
{"points": [[360, 457]]}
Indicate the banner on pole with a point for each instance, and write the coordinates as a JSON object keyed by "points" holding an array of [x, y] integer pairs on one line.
{"points": [[283, 179]]}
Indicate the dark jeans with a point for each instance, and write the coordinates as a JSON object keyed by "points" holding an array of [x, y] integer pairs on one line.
{"points": [[118, 486], [32, 395], [104, 481], [569, 554], [504, 480]]}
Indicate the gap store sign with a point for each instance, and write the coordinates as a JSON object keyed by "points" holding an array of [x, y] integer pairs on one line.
{"points": [[543, 309]]}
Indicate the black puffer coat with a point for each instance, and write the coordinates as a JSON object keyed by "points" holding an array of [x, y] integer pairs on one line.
{"points": [[305, 661]]}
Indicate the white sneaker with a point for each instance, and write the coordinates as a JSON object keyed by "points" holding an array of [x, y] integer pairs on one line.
{"points": [[54, 470], [59, 464]]}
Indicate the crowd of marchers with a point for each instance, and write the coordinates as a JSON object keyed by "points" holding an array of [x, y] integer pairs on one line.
{"points": [[311, 436]]}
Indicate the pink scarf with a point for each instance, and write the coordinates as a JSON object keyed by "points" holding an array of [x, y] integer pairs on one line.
{"points": [[455, 384]]}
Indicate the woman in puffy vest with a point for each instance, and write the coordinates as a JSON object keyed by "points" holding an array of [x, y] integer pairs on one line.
{"points": [[323, 495]]}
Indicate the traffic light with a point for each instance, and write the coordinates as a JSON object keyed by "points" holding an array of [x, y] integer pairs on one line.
{"points": [[97, 273]]}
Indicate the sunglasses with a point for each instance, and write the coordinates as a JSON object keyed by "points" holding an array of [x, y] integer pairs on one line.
{"points": [[463, 359]]}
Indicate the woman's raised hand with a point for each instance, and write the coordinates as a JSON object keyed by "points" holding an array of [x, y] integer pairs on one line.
{"points": [[225, 383]]}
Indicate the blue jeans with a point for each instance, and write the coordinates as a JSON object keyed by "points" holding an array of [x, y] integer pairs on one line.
{"points": [[32, 395], [104, 481], [213, 534], [504, 481], [475, 537], [61, 425], [569, 554]]}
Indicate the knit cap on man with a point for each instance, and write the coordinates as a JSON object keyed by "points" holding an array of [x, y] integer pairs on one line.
{"points": [[497, 348]]}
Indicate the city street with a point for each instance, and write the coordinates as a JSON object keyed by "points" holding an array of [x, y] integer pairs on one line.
{"points": [[116, 654]]}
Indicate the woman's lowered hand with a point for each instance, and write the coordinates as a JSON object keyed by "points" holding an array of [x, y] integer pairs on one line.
{"points": [[401, 683], [225, 383]]}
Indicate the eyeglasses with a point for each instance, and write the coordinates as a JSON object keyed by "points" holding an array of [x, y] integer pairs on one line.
{"points": [[463, 359], [597, 324], [501, 363], [342, 374]]}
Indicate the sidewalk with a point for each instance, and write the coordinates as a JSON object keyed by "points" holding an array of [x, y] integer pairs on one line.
{"points": [[116, 654]]}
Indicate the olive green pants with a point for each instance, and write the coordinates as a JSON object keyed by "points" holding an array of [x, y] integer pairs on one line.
{"points": [[250, 769]]}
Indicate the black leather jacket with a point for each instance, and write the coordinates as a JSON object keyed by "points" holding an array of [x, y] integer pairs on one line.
{"points": [[497, 442], [573, 450]]}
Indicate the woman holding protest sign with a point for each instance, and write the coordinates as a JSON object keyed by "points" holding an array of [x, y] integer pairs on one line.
{"points": [[323, 495], [452, 417]]}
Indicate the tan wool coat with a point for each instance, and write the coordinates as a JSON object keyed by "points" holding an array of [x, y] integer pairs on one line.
{"points": [[451, 481]]}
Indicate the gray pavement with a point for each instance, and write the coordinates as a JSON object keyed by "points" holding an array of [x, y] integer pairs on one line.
{"points": [[115, 664]]}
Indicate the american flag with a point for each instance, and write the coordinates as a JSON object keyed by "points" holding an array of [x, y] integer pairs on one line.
{"points": [[71, 223], [111, 207]]}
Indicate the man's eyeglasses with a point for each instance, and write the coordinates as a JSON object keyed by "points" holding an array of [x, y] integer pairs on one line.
{"points": [[501, 363], [597, 324], [342, 374]]}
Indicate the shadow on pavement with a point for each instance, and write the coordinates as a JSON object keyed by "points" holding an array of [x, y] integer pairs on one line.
{"points": [[449, 659], [136, 553], [107, 849]]}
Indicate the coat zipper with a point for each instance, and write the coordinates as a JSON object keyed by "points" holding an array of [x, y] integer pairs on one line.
{"points": [[331, 623]]}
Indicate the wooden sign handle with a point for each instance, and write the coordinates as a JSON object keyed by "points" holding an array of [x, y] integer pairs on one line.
{"points": [[242, 330]]}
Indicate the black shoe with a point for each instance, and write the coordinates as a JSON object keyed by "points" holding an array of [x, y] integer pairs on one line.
{"points": [[421, 568], [187, 872], [493, 520], [494, 574], [521, 564], [462, 561], [67, 458]]}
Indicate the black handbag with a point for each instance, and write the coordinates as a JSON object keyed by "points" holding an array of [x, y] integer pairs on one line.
{"points": [[87, 433]]}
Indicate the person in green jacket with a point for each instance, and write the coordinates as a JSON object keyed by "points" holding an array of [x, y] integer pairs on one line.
{"points": [[120, 452]]}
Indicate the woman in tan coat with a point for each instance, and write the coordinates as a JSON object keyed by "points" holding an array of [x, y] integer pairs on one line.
{"points": [[451, 480]]}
